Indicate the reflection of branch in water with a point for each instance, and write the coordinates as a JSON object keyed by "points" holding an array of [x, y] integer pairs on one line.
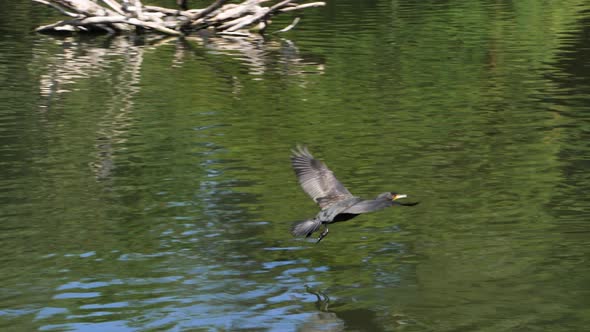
{"points": [[118, 116], [261, 55], [80, 60], [122, 56], [66, 68]]}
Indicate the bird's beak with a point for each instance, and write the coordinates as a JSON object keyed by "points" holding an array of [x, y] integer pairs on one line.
{"points": [[398, 196]]}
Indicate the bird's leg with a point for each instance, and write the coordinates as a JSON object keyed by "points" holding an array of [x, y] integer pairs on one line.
{"points": [[324, 233]]}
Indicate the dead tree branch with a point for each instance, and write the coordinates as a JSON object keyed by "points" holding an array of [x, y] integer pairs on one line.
{"points": [[115, 16]]}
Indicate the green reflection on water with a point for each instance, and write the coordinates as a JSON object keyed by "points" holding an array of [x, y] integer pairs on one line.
{"points": [[147, 184]]}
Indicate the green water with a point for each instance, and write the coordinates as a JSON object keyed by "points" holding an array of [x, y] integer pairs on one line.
{"points": [[146, 183]]}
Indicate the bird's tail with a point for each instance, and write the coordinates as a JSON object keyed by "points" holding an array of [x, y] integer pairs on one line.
{"points": [[306, 227]]}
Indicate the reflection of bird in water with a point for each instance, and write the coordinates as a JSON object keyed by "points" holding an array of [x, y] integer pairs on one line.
{"points": [[341, 316], [335, 201], [323, 301]]}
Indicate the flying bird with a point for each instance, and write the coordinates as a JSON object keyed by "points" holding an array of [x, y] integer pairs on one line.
{"points": [[335, 201]]}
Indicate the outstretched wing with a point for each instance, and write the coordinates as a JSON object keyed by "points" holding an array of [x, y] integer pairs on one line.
{"points": [[316, 179], [374, 205]]}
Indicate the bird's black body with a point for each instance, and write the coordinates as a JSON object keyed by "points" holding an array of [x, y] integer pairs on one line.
{"points": [[336, 202], [343, 217]]}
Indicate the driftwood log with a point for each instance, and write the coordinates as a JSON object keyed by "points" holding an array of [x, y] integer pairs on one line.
{"points": [[114, 16]]}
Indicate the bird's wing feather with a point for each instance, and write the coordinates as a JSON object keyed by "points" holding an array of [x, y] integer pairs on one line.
{"points": [[316, 179], [374, 205], [369, 206]]}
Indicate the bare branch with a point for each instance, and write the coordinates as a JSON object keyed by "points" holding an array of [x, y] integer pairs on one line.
{"points": [[209, 9], [128, 15], [61, 10], [290, 26], [138, 10], [247, 20], [280, 5], [115, 6], [188, 13], [299, 7], [154, 26]]}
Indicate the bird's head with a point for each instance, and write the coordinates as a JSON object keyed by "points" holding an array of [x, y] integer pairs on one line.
{"points": [[393, 196]]}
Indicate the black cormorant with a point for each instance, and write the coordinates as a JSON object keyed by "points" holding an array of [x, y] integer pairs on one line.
{"points": [[335, 201]]}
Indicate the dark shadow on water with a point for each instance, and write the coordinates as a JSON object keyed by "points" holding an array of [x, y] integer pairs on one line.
{"points": [[331, 318]]}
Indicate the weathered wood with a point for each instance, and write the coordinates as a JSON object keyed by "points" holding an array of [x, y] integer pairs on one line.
{"points": [[210, 9], [60, 9], [114, 6], [299, 7], [233, 11], [128, 15], [260, 14], [290, 26], [84, 7], [168, 11], [137, 6], [280, 5]]}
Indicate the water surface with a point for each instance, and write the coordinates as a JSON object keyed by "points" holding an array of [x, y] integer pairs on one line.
{"points": [[146, 184]]}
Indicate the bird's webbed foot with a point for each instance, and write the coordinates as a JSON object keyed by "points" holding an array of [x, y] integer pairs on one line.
{"points": [[324, 234]]}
